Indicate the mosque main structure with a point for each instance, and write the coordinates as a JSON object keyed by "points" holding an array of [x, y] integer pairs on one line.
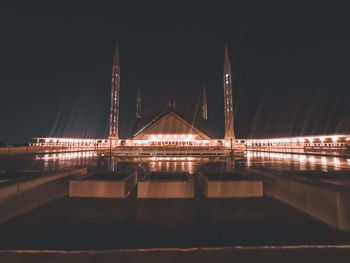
{"points": [[169, 132], [169, 127]]}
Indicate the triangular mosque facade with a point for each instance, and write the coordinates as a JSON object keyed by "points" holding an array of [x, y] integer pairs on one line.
{"points": [[170, 126]]}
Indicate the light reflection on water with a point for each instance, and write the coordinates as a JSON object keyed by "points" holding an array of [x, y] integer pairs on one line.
{"points": [[278, 161], [298, 162], [64, 160], [65, 156], [173, 164]]}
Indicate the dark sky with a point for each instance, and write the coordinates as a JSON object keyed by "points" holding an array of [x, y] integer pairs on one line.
{"points": [[290, 65]]}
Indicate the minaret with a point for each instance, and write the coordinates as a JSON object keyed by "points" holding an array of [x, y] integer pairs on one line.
{"points": [[138, 103], [114, 111], [229, 130], [204, 104]]}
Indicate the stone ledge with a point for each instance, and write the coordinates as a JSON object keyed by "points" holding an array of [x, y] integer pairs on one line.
{"points": [[106, 188], [234, 188]]}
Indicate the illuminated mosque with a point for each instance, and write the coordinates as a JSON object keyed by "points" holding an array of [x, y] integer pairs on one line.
{"points": [[169, 132], [168, 127]]}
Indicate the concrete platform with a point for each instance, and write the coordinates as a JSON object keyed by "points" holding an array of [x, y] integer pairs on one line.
{"points": [[229, 185], [161, 185], [23, 191], [325, 198], [104, 185]]}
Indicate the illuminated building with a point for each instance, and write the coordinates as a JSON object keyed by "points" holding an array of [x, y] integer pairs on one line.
{"points": [[302, 144], [171, 133], [170, 127]]}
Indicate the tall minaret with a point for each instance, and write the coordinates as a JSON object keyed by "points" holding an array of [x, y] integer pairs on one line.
{"points": [[229, 130], [204, 104], [114, 112], [138, 103]]}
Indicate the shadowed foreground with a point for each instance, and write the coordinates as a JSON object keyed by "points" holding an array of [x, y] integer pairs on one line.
{"points": [[131, 223]]}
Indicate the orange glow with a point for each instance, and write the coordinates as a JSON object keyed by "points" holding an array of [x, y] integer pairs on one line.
{"points": [[294, 140], [171, 137], [66, 156], [289, 144]]}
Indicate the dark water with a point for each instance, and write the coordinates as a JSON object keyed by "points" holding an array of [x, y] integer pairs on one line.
{"points": [[278, 161], [90, 223]]}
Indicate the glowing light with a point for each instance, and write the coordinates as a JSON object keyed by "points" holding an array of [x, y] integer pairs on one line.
{"points": [[66, 156], [336, 161]]}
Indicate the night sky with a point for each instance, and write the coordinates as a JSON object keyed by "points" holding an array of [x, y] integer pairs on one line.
{"points": [[290, 66]]}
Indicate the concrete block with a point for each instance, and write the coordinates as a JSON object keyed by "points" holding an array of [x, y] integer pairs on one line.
{"points": [[23, 195], [160, 185], [240, 187], [112, 186], [324, 202]]}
